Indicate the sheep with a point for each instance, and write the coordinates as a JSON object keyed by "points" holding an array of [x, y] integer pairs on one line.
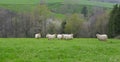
{"points": [[51, 36], [68, 36], [102, 37], [37, 36], [59, 36]]}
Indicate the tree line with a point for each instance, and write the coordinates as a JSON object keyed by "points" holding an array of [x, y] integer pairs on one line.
{"points": [[42, 20]]}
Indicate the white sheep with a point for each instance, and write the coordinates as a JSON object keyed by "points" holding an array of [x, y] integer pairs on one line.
{"points": [[59, 36], [38, 35], [51, 36], [67, 36], [102, 37]]}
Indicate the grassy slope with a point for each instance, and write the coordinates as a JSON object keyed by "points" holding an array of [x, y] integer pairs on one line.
{"points": [[82, 2], [19, 1], [26, 1], [43, 50], [18, 7], [28, 5]]}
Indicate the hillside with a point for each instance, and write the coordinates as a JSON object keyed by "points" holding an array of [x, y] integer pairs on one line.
{"points": [[81, 2], [28, 5]]}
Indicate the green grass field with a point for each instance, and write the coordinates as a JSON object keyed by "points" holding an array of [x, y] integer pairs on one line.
{"points": [[43, 50], [16, 3]]}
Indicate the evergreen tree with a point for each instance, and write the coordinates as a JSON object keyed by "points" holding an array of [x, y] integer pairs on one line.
{"points": [[63, 26], [84, 11], [113, 21], [117, 22]]}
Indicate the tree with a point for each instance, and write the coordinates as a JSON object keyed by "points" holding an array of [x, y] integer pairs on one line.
{"points": [[84, 11], [73, 25], [101, 24], [95, 19], [117, 22], [63, 26], [40, 15], [113, 24]]}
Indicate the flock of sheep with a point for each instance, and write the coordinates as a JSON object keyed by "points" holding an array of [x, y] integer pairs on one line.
{"points": [[52, 36], [101, 37]]}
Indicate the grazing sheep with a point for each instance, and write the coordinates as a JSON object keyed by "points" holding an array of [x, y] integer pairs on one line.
{"points": [[51, 36], [37, 36], [59, 36], [68, 36], [102, 37]]}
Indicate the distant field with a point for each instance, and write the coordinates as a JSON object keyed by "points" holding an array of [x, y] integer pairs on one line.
{"points": [[81, 2], [26, 1], [43, 50], [19, 1]]}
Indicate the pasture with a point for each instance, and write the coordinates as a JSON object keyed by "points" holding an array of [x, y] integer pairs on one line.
{"points": [[54, 50], [18, 5]]}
